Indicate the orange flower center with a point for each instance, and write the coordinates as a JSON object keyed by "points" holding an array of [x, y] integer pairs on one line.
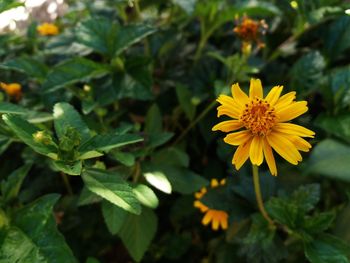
{"points": [[258, 116]]}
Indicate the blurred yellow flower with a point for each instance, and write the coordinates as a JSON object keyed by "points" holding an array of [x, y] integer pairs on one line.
{"points": [[216, 217], [47, 29], [264, 124], [12, 89], [250, 31]]}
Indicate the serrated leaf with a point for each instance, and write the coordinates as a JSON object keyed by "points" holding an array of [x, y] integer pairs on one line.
{"points": [[146, 196], [337, 37], [10, 187], [114, 216], [72, 71], [27, 65], [66, 116], [107, 142], [327, 248], [307, 196], [319, 222], [33, 237], [330, 152], [113, 188], [138, 231], [108, 37], [25, 131]]}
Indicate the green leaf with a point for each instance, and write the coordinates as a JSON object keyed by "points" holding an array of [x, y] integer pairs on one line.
{"points": [[158, 139], [153, 120], [158, 180], [87, 197], [258, 8], [27, 65], [285, 212], [327, 249], [307, 196], [307, 73], [71, 168], [138, 231], [33, 237], [10, 187], [185, 99], [108, 37], [5, 142], [330, 152], [107, 142], [337, 37], [113, 188], [125, 158], [92, 260], [336, 125], [187, 5], [6, 107], [66, 116], [319, 222], [146, 196], [9, 4], [171, 156], [72, 71], [113, 216], [25, 131]]}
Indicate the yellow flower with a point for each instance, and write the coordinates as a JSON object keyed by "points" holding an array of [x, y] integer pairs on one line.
{"points": [[216, 217], [12, 89], [263, 124], [47, 29]]}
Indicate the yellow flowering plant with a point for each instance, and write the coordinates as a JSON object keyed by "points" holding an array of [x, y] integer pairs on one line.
{"points": [[47, 29]]}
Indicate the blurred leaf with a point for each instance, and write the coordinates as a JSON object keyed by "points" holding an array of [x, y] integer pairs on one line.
{"points": [[6, 107], [138, 231], [71, 168], [108, 37], [307, 196], [185, 99], [337, 37], [113, 188], [327, 248], [187, 5], [319, 222], [66, 116], [9, 4], [307, 73], [158, 180], [5, 142], [128, 159], [10, 187], [153, 122], [339, 84], [171, 156], [158, 139], [331, 152], [92, 260], [113, 216], [258, 8], [27, 65], [146, 196], [72, 71], [87, 197], [107, 142], [25, 131], [33, 237], [335, 125]]}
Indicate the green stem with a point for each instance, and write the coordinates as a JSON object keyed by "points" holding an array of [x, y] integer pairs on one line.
{"points": [[259, 199], [193, 123], [67, 183]]}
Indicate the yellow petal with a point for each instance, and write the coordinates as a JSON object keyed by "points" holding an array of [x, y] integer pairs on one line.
{"points": [[207, 218], [285, 100], [241, 154], [229, 111], [293, 129], [228, 126], [256, 89], [300, 143], [270, 159], [256, 151], [274, 95], [237, 138], [215, 224], [284, 147], [214, 183], [240, 97], [292, 111], [224, 222]]}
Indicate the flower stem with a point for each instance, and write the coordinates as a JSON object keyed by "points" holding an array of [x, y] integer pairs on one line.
{"points": [[259, 199]]}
